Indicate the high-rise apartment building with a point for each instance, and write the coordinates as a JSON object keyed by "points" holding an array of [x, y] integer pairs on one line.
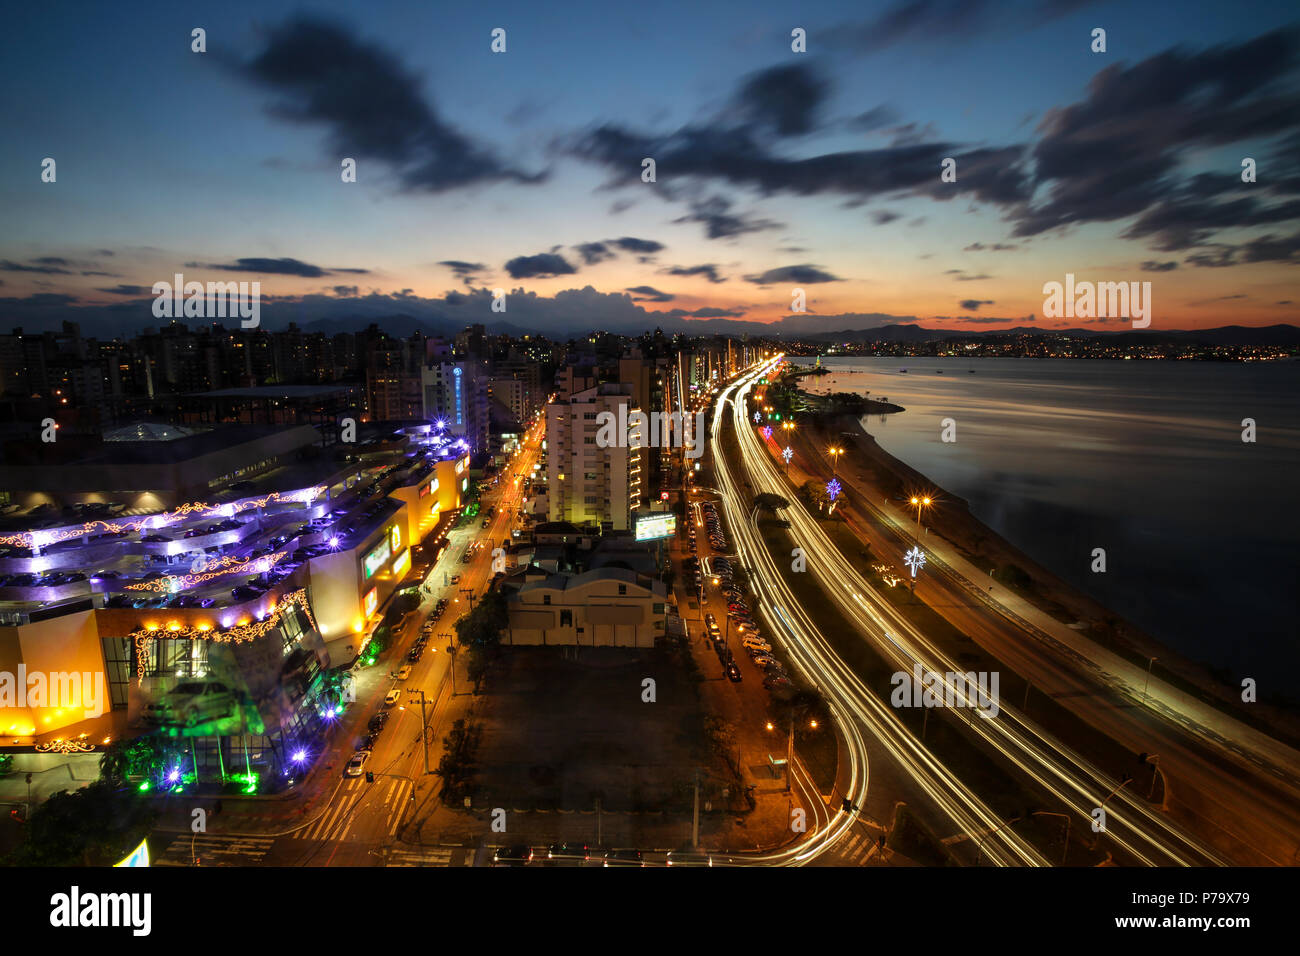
{"points": [[590, 479]]}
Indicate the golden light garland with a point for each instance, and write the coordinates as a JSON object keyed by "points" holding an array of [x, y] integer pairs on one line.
{"points": [[242, 632], [227, 565], [32, 539], [62, 746]]}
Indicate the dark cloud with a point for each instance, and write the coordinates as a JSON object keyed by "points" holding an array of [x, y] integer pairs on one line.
{"points": [[593, 253], [1116, 153], [645, 293], [992, 247], [1217, 257], [801, 274], [278, 267], [713, 313], [1152, 266], [541, 266], [110, 275], [465, 271], [371, 106], [708, 270], [1272, 248], [875, 118], [962, 276], [126, 290], [739, 157], [883, 217], [720, 223], [51, 261], [784, 100], [643, 246], [927, 21], [345, 290], [8, 266], [973, 305]]}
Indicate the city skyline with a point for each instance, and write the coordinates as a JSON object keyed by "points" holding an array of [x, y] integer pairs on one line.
{"points": [[776, 170]]}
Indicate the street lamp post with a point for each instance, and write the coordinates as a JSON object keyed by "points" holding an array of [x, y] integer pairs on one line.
{"points": [[1147, 682], [835, 451], [918, 503]]}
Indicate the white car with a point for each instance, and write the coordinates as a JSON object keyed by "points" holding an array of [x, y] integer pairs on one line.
{"points": [[404, 672], [754, 644], [392, 697], [357, 764]]}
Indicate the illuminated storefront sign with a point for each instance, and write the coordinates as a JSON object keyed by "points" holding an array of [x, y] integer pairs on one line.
{"points": [[462, 464], [402, 564], [376, 559], [371, 601], [395, 538]]}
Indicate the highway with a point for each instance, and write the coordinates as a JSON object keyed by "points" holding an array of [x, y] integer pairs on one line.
{"points": [[1232, 783], [856, 709], [1132, 825]]}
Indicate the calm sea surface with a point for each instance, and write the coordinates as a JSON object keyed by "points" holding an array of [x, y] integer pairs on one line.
{"points": [[1144, 459]]}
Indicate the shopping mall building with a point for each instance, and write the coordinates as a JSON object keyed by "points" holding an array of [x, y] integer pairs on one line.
{"points": [[209, 585]]}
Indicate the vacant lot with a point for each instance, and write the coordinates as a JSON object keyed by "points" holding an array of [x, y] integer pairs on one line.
{"points": [[558, 733]]}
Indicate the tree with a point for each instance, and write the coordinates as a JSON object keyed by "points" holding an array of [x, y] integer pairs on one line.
{"points": [[770, 502], [94, 826], [146, 756]]}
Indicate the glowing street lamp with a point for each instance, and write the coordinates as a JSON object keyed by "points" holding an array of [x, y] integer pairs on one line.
{"points": [[918, 503], [835, 451]]}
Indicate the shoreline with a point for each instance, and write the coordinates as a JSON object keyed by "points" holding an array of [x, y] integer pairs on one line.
{"points": [[1053, 595]]}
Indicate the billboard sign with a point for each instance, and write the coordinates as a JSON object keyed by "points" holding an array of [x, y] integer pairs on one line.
{"points": [[654, 526]]}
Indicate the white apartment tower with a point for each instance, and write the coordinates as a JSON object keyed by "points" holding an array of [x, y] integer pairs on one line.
{"points": [[588, 483]]}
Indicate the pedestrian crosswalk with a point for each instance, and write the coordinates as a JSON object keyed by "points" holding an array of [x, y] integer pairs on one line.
{"points": [[387, 799], [204, 849], [858, 849], [431, 856]]}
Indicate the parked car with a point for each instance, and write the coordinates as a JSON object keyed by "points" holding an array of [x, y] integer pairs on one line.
{"points": [[733, 672], [404, 672], [392, 697], [512, 856], [377, 722], [568, 851]]}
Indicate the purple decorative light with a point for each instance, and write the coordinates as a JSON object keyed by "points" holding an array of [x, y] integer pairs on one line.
{"points": [[767, 432], [833, 488]]}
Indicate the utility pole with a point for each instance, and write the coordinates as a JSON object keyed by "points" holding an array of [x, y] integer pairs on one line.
{"points": [[424, 728], [695, 825]]}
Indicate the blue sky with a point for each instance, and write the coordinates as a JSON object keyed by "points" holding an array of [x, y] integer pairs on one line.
{"points": [[181, 162]]}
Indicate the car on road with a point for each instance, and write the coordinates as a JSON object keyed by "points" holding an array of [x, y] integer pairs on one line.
{"points": [[455, 579], [512, 856], [357, 764], [404, 672], [377, 722], [568, 851], [733, 672], [392, 697], [776, 682]]}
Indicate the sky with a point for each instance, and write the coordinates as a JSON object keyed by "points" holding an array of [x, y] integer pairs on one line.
{"points": [[775, 170]]}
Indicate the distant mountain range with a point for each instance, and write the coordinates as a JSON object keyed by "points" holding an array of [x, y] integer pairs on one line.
{"points": [[1226, 335]]}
